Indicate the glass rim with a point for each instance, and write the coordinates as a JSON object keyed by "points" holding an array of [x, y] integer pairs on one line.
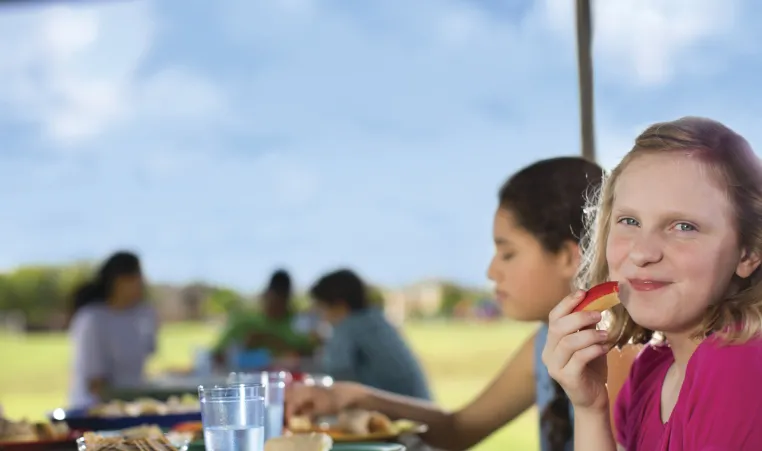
{"points": [[259, 377], [236, 390], [279, 373]]}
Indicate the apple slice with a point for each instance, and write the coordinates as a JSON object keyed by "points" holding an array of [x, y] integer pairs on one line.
{"points": [[599, 298]]}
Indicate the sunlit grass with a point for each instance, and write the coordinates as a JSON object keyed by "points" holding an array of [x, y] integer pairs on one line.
{"points": [[459, 359]]}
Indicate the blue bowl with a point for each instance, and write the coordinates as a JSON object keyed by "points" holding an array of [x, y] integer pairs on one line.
{"points": [[80, 420], [255, 359]]}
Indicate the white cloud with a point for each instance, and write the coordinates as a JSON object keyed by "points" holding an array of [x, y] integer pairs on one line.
{"points": [[79, 75], [73, 74], [648, 41]]}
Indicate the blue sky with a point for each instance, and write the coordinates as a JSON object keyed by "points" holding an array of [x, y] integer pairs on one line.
{"points": [[223, 139]]}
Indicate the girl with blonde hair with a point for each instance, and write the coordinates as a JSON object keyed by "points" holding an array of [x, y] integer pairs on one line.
{"points": [[679, 225]]}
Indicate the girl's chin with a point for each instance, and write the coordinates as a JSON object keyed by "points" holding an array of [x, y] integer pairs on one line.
{"points": [[651, 320]]}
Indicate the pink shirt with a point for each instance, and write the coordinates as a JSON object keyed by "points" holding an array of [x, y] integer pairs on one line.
{"points": [[719, 407]]}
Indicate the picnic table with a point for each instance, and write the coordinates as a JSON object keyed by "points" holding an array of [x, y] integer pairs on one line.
{"points": [[164, 386], [169, 384]]}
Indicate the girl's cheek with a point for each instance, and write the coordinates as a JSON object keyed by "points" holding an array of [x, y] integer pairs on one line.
{"points": [[617, 249]]}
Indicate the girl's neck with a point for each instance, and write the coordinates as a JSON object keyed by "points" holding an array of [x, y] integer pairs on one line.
{"points": [[683, 346], [117, 303]]}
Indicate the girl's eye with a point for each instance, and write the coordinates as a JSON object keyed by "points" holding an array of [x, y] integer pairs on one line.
{"points": [[628, 222], [507, 257], [684, 227]]}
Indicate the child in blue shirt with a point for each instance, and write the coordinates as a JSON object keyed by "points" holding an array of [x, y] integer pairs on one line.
{"points": [[365, 347]]}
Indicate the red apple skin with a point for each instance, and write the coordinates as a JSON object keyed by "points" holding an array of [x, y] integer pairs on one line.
{"points": [[596, 293]]}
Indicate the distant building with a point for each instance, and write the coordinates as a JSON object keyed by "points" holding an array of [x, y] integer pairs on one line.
{"points": [[419, 299], [184, 303]]}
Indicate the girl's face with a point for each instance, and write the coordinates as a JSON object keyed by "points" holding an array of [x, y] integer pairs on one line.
{"points": [[276, 305], [129, 289], [673, 242], [333, 313], [529, 280]]}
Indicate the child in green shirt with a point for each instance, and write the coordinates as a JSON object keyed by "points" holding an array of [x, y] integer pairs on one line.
{"points": [[272, 329]]}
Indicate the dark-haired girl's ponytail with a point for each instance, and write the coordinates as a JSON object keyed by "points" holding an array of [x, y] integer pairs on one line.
{"points": [[85, 294], [555, 420]]}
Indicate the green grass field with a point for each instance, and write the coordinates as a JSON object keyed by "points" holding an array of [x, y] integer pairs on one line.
{"points": [[460, 359]]}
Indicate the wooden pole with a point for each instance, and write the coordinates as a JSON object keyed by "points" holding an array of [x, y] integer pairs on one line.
{"points": [[585, 72]]}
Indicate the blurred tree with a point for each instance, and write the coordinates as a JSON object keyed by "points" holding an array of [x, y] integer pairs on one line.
{"points": [[34, 291], [301, 302], [7, 296], [223, 301], [42, 294], [375, 296], [452, 295]]}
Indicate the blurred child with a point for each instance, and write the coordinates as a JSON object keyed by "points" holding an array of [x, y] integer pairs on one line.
{"points": [[364, 346], [272, 329], [113, 330]]}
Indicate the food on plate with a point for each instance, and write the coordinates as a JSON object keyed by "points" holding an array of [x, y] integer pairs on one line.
{"points": [[194, 430], [97, 443], [146, 406], [189, 426], [600, 297], [140, 438], [354, 422], [364, 422], [314, 441], [300, 423], [142, 431], [25, 431]]}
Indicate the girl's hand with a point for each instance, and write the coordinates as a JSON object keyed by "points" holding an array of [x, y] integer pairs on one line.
{"points": [[313, 400], [575, 354]]}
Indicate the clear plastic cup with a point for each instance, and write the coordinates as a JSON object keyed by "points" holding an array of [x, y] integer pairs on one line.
{"points": [[233, 416], [274, 383], [275, 394]]}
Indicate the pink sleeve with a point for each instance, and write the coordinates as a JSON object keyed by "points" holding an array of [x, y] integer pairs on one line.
{"points": [[620, 411], [723, 405]]}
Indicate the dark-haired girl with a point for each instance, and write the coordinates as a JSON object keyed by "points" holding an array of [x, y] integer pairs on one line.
{"points": [[113, 331], [537, 229]]}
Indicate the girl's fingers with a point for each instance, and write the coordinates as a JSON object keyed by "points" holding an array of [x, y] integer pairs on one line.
{"points": [[568, 325], [573, 322], [562, 310], [573, 343], [582, 358]]}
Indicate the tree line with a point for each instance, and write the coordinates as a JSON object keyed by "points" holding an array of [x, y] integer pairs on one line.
{"points": [[41, 294]]}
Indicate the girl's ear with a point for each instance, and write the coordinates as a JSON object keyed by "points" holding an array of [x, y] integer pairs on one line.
{"points": [[749, 262], [569, 258]]}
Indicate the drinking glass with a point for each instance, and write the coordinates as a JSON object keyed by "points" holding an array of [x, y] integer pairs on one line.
{"points": [[233, 416], [275, 394], [274, 383]]}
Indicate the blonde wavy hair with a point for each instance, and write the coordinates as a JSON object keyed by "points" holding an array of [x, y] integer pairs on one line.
{"points": [[727, 155]]}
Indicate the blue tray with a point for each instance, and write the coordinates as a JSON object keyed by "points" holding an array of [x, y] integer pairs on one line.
{"points": [[80, 420]]}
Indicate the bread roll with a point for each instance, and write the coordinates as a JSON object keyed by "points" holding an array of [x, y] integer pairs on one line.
{"points": [[378, 423], [298, 423], [355, 422], [315, 441]]}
